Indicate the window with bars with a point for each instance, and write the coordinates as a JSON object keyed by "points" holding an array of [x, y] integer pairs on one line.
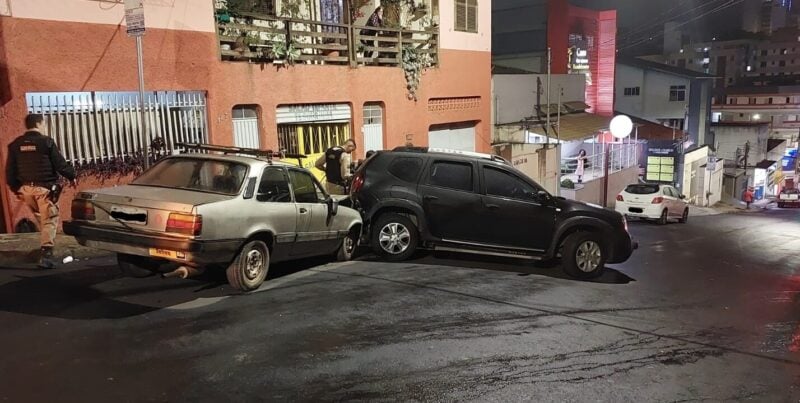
{"points": [[677, 93], [632, 92], [467, 16]]}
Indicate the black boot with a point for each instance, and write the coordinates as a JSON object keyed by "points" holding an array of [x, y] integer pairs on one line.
{"points": [[46, 258]]}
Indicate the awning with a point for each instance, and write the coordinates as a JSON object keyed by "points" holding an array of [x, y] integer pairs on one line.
{"points": [[576, 126]]}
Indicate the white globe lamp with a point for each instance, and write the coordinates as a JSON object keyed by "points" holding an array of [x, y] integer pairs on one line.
{"points": [[621, 126]]}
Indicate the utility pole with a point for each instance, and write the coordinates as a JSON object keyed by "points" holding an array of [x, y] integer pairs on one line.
{"points": [[547, 125]]}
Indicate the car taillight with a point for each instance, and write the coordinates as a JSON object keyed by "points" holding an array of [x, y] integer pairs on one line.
{"points": [[620, 198], [658, 200], [358, 182], [185, 224], [82, 210]]}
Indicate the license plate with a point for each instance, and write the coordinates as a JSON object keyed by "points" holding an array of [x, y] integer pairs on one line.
{"points": [[169, 254]]}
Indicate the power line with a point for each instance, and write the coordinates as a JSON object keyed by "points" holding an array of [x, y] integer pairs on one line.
{"points": [[658, 25], [727, 5]]}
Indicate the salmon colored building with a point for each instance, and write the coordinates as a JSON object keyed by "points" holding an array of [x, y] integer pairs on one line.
{"points": [[217, 76]]}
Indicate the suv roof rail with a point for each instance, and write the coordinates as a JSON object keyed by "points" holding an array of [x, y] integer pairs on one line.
{"points": [[269, 154], [451, 151]]}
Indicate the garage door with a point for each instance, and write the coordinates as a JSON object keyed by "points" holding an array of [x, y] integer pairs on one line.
{"points": [[461, 138]]}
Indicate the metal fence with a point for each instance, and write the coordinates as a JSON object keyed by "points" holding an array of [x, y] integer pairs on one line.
{"points": [[97, 126], [621, 156]]}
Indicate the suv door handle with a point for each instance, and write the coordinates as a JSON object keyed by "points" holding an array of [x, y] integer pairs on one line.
{"points": [[430, 198], [303, 211], [492, 206]]}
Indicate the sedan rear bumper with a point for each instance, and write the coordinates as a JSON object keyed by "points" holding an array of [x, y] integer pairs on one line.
{"points": [[188, 251], [651, 211]]}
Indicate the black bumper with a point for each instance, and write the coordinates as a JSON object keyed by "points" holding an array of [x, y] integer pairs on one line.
{"points": [[623, 249], [196, 250]]}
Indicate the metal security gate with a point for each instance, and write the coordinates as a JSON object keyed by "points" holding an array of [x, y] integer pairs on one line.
{"points": [[454, 137], [373, 127], [96, 126], [245, 127]]}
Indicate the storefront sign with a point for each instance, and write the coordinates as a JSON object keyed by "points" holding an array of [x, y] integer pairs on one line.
{"points": [[661, 160], [313, 113]]}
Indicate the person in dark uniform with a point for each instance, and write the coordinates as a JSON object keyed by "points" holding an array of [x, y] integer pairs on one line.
{"points": [[336, 164], [32, 169]]}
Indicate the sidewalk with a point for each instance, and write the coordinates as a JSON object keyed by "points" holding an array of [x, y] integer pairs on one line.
{"points": [[18, 249]]}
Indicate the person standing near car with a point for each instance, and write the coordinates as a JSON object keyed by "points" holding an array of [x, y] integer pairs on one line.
{"points": [[32, 169], [336, 164]]}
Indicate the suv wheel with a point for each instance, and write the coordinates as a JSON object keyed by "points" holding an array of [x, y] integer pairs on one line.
{"points": [[584, 255], [395, 237], [136, 266], [250, 267]]}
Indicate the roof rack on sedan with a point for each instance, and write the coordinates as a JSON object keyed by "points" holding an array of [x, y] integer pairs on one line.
{"points": [[451, 151], [268, 154]]}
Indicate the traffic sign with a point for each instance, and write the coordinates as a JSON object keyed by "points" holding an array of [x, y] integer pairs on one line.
{"points": [[134, 17]]}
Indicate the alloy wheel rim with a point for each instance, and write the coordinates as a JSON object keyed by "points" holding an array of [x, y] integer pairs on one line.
{"points": [[254, 263], [394, 238], [588, 256]]}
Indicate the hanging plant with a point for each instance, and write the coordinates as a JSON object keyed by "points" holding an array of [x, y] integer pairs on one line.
{"points": [[413, 65], [280, 52]]}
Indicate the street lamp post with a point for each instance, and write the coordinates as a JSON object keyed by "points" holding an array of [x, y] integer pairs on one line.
{"points": [[621, 127]]}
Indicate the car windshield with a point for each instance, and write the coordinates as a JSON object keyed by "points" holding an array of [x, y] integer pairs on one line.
{"points": [[204, 175], [642, 189]]}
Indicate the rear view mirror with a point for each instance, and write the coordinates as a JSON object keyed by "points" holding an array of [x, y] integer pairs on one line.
{"points": [[542, 196], [682, 197]]}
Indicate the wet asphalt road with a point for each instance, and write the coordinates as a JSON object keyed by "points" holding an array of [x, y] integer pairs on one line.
{"points": [[709, 310]]}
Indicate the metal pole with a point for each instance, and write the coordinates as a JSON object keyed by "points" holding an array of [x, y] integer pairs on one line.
{"points": [[605, 172], [547, 130], [558, 144], [145, 136]]}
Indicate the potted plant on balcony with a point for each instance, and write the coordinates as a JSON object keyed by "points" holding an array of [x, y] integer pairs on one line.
{"points": [[281, 53]]}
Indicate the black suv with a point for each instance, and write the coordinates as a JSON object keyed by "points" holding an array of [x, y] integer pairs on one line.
{"points": [[477, 203]]}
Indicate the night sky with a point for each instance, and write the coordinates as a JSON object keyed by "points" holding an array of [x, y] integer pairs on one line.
{"points": [[646, 18]]}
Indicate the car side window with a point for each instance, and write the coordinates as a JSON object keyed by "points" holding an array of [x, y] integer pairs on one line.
{"points": [[503, 184], [451, 175], [671, 192], [306, 189], [274, 186], [406, 168]]}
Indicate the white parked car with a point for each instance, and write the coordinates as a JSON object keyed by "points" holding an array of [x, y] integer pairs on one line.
{"points": [[653, 201]]}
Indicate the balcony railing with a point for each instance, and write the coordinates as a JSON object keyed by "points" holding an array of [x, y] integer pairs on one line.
{"points": [[261, 38]]}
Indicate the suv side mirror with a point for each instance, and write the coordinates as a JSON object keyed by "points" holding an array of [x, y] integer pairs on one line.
{"points": [[333, 205], [542, 196], [682, 197]]}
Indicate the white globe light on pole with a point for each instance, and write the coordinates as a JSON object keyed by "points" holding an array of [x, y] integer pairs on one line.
{"points": [[621, 126]]}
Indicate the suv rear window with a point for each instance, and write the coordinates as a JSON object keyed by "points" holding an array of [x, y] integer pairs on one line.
{"points": [[406, 168], [642, 189], [452, 175]]}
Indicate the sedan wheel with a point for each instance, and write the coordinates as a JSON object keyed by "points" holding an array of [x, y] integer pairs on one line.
{"points": [[685, 217], [250, 267], [663, 219]]}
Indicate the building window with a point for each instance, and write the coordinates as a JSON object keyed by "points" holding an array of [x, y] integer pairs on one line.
{"points": [[788, 100], [732, 101], [763, 64], [467, 15], [770, 101], [632, 92], [752, 101], [677, 93], [763, 53], [782, 63]]}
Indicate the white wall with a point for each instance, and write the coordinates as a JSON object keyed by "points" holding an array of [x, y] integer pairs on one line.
{"points": [[514, 95], [729, 138], [592, 191], [653, 102]]}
